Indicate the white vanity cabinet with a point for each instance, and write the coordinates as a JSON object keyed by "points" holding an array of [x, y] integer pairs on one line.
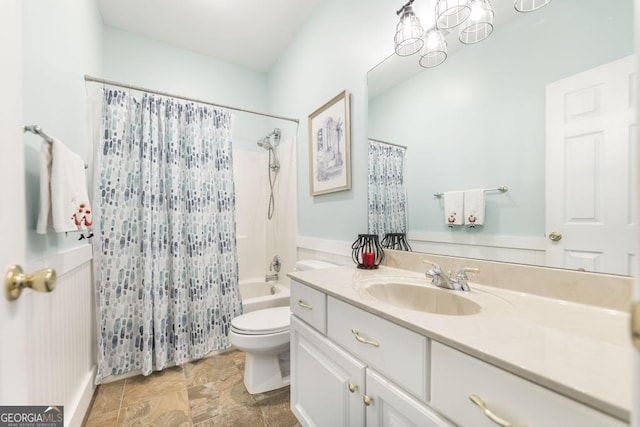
{"points": [[336, 377], [352, 368], [326, 382], [456, 376]]}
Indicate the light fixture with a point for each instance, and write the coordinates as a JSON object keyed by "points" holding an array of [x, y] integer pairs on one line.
{"points": [[434, 51], [451, 13], [474, 18], [529, 5], [409, 32], [479, 25]]}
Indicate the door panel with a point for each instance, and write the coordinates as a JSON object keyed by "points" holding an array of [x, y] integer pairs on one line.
{"points": [[590, 184], [13, 332]]}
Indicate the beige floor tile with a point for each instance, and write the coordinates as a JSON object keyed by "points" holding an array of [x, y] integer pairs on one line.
{"points": [[235, 417], [275, 408], [204, 402], [105, 419], [168, 410], [209, 370], [141, 388], [108, 397]]}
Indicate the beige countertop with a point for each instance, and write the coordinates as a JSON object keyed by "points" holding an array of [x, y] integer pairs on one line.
{"points": [[578, 350]]}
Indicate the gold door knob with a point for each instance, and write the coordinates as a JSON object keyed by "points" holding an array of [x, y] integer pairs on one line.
{"points": [[555, 236], [41, 281], [352, 387], [368, 400]]}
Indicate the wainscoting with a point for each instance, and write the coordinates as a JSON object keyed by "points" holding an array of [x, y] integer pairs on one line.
{"points": [[61, 329]]}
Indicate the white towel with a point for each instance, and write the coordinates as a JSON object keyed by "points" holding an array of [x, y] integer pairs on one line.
{"points": [[474, 202], [64, 200], [453, 208]]}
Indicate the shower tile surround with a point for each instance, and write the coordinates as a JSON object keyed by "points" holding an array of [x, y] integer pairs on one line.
{"points": [[207, 392], [577, 335]]}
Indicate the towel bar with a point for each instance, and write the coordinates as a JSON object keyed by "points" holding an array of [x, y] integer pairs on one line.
{"points": [[502, 189], [38, 131]]}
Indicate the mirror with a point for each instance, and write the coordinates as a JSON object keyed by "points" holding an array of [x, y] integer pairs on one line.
{"points": [[478, 121]]}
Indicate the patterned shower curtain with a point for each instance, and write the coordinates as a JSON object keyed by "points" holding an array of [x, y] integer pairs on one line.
{"points": [[387, 191], [164, 245]]}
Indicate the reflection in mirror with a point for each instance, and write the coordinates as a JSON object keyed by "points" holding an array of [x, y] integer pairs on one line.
{"points": [[387, 194], [536, 107]]}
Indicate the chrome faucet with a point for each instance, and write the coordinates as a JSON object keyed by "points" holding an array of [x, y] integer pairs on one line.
{"points": [[271, 277], [442, 280], [275, 264]]}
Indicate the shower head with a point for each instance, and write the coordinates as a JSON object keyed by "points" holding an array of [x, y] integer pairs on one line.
{"points": [[265, 144]]}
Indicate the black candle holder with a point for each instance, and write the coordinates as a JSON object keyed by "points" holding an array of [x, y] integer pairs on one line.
{"points": [[397, 241], [367, 252]]}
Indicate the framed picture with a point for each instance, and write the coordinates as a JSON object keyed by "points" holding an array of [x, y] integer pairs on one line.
{"points": [[329, 147]]}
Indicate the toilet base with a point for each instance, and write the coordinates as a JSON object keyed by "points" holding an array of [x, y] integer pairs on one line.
{"points": [[266, 372]]}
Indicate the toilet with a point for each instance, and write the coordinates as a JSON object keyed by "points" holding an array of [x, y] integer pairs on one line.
{"points": [[264, 336]]}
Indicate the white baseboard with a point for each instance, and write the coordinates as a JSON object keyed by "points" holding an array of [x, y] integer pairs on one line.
{"points": [[74, 415]]}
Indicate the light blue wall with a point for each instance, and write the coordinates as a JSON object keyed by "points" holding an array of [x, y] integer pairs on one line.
{"points": [[332, 52], [62, 42], [477, 120], [140, 61]]}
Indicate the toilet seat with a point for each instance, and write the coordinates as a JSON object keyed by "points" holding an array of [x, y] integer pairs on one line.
{"points": [[262, 322]]}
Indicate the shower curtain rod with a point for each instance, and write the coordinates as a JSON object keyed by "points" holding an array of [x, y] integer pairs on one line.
{"points": [[88, 78], [388, 143]]}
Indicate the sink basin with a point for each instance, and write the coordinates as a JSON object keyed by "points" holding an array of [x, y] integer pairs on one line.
{"points": [[423, 298]]}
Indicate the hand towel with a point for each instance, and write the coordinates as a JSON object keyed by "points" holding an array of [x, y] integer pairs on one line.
{"points": [[64, 199], [453, 208], [474, 203]]}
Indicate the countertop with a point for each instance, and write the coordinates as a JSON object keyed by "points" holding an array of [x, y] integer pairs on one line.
{"points": [[581, 351]]}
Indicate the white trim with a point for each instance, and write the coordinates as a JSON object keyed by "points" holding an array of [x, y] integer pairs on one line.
{"points": [[63, 262], [337, 247], [510, 242], [80, 407]]}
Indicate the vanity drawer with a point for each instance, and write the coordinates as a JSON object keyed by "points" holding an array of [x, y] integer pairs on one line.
{"points": [[309, 305], [455, 376], [398, 353]]}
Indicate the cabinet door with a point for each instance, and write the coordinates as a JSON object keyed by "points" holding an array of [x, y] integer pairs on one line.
{"points": [[388, 405], [327, 384]]}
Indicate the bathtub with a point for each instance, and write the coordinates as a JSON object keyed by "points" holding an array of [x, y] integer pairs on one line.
{"points": [[256, 295]]}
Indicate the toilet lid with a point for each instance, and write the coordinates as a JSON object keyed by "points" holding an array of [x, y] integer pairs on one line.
{"points": [[267, 321]]}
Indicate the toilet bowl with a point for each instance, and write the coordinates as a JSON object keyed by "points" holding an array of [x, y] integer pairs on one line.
{"points": [[264, 336]]}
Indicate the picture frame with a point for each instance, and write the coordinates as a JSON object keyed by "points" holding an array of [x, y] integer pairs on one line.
{"points": [[330, 147]]}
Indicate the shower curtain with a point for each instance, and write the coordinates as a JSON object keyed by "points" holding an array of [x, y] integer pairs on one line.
{"points": [[164, 245], [387, 193]]}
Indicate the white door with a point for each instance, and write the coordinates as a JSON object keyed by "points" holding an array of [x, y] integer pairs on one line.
{"points": [[590, 153], [13, 372]]}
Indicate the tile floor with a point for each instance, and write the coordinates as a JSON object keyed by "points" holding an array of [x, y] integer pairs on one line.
{"points": [[208, 392]]}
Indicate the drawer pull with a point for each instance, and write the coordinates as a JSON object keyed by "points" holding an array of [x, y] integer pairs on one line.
{"points": [[368, 400], [357, 336], [352, 387], [305, 305], [493, 417]]}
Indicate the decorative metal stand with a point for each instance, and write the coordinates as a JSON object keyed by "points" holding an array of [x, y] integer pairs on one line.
{"points": [[397, 241], [367, 252]]}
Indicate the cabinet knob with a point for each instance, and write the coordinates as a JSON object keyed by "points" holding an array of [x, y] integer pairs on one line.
{"points": [[368, 400], [16, 280], [352, 387], [487, 412]]}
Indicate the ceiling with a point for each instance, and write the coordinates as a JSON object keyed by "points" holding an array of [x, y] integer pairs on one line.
{"points": [[249, 33]]}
